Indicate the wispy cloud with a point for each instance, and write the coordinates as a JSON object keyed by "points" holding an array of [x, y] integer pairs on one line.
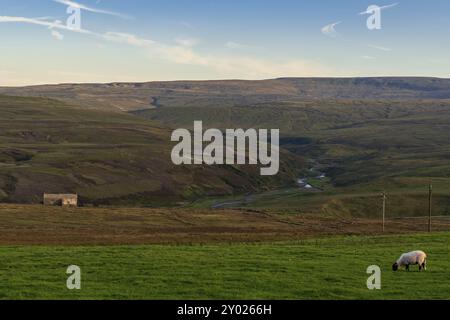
{"points": [[40, 22], [242, 66], [379, 47], [178, 54], [74, 4], [57, 35], [45, 18], [368, 57], [238, 45], [187, 42], [381, 8], [330, 29]]}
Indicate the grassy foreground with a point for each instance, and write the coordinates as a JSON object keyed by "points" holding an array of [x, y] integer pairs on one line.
{"points": [[333, 268]]}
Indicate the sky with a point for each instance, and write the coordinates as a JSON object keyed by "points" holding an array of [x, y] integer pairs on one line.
{"points": [[152, 40]]}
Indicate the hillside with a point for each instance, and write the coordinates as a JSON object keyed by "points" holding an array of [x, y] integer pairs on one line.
{"points": [[107, 158], [365, 134], [353, 141], [363, 147], [136, 96]]}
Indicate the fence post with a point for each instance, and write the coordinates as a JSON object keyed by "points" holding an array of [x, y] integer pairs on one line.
{"points": [[430, 195], [384, 210]]}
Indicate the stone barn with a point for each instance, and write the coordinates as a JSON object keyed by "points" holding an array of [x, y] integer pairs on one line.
{"points": [[63, 200]]}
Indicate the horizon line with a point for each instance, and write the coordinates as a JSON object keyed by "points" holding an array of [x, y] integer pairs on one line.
{"points": [[220, 80]]}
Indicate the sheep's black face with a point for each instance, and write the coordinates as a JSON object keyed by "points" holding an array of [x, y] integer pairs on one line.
{"points": [[395, 266]]}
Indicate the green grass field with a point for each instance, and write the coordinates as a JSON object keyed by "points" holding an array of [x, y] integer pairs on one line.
{"points": [[333, 268]]}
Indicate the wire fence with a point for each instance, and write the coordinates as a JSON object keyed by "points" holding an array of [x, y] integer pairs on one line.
{"points": [[430, 222]]}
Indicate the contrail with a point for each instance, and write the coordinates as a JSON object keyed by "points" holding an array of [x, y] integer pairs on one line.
{"points": [[51, 25], [381, 8], [90, 9], [329, 29]]}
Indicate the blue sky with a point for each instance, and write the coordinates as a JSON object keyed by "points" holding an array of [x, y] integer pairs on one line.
{"points": [[142, 40]]}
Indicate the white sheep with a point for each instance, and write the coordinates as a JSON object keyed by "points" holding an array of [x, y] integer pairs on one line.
{"points": [[411, 258]]}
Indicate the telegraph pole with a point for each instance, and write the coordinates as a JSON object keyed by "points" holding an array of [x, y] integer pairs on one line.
{"points": [[430, 195]]}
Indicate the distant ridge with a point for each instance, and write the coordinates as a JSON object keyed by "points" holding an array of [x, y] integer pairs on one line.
{"points": [[226, 93]]}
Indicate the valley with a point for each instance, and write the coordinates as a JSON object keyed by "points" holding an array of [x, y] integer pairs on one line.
{"points": [[361, 136]]}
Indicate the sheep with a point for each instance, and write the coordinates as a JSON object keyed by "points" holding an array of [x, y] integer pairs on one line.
{"points": [[411, 258]]}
